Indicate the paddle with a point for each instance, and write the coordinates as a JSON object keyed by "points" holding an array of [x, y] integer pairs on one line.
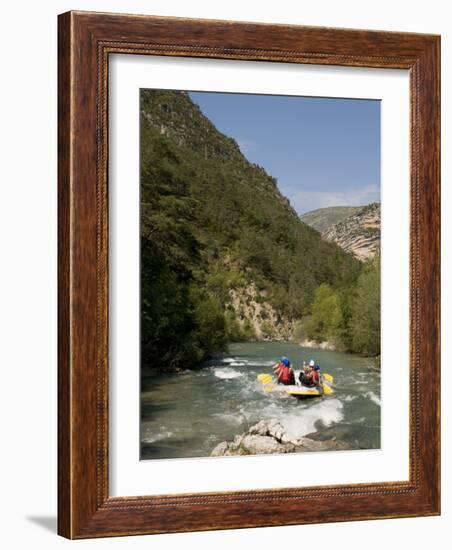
{"points": [[267, 381], [327, 390], [265, 378]]}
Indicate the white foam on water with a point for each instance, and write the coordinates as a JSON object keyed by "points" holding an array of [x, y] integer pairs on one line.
{"points": [[229, 418], [257, 363], [373, 397], [227, 373], [157, 437], [328, 411], [349, 398], [249, 390]]}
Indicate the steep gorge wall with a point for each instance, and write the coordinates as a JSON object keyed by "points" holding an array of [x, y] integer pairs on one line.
{"points": [[358, 234]]}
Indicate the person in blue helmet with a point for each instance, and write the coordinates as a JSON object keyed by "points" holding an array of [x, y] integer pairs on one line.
{"points": [[284, 372]]}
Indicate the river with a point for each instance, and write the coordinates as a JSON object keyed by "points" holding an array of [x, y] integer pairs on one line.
{"points": [[187, 414]]}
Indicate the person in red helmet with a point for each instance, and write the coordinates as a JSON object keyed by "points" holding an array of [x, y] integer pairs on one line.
{"points": [[284, 372]]}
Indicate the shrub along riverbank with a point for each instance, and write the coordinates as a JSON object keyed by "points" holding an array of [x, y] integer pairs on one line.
{"points": [[349, 317]]}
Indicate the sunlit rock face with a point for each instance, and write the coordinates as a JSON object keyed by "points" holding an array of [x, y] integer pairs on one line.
{"points": [[358, 234]]}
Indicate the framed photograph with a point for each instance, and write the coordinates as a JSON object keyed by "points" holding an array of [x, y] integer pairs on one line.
{"points": [[248, 275]]}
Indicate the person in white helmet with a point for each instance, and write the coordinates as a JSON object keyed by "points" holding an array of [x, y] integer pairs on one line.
{"points": [[304, 374], [311, 376]]}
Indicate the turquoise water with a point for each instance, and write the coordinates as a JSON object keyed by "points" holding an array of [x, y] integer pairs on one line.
{"points": [[188, 414]]}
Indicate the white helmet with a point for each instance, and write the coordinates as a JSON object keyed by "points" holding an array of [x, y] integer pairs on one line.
{"points": [[312, 363]]}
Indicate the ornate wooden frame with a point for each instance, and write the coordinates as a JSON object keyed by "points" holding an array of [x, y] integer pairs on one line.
{"points": [[85, 42]]}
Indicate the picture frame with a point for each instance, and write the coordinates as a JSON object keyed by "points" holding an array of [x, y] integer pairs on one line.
{"points": [[86, 40]]}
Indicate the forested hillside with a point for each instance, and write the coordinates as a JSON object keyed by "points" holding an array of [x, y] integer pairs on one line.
{"points": [[224, 255]]}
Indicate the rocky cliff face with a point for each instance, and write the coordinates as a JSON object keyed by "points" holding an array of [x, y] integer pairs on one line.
{"points": [[176, 117], [358, 234], [253, 310]]}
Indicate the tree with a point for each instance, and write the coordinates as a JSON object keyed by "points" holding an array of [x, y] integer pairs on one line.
{"points": [[210, 333], [326, 314], [365, 321]]}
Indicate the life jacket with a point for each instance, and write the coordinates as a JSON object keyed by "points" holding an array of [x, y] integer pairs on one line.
{"points": [[310, 379], [286, 375], [315, 377]]}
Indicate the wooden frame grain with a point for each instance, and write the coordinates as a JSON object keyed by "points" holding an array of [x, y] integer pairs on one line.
{"points": [[85, 42]]}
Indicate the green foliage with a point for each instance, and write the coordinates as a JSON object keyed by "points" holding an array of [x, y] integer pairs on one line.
{"points": [[266, 329], [221, 279], [349, 317], [248, 331], [299, 331], [234, 332], [365, 322], [214, 222], [326, 314], [210, 323]]}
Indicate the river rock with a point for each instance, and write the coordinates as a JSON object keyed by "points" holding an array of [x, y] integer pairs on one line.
{"points": [[306, 343], [264, 445], [221, 449], [269, 437], [270, 428]]}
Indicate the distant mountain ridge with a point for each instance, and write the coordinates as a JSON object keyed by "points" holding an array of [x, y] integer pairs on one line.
{"points": [[323, 218], [358, 234]]}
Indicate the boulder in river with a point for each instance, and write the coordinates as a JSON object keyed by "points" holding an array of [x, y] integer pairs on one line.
{"points": [[270, 437]]}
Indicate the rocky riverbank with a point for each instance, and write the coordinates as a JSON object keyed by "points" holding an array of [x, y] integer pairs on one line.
{"points": [[269, 437], [306, 343]]}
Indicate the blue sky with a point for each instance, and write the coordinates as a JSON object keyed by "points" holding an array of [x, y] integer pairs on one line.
{"points": [[322, 151]]}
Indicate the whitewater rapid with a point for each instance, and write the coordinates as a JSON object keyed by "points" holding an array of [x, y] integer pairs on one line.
{"points": [[186, 415]]}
